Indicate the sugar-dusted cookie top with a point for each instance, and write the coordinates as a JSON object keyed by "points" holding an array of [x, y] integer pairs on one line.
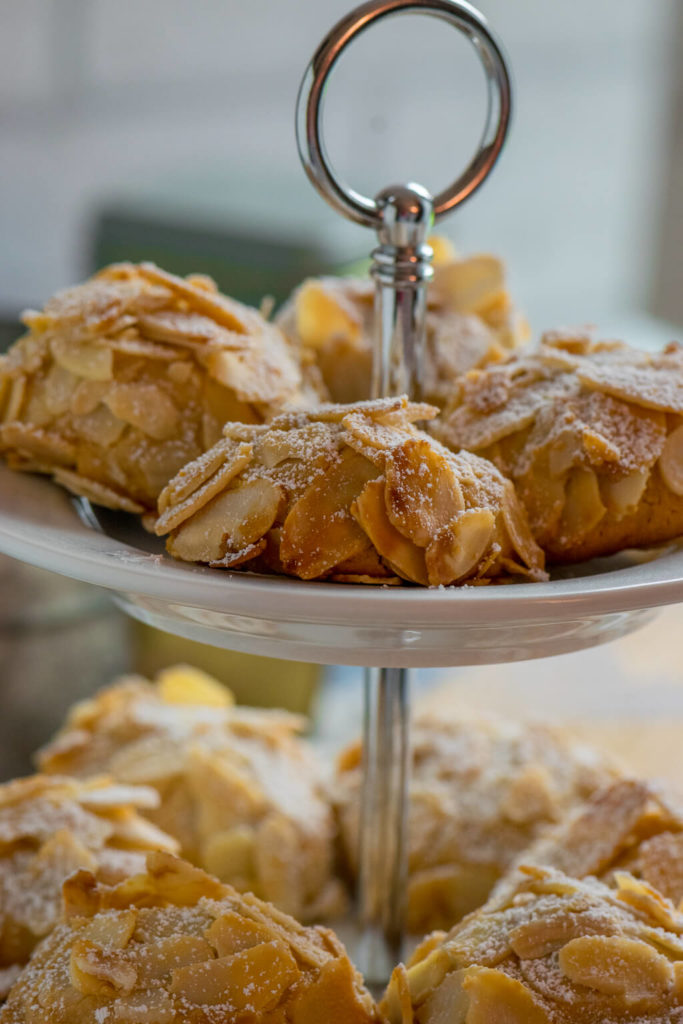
{"points": [[175, 946], [590, 432], [123, 379], [354, 493], [239, 788], [481, 790], [554, 950], [51, 827]]}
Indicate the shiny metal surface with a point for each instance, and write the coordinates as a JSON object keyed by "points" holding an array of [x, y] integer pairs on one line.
{"points": [[310, 139]]}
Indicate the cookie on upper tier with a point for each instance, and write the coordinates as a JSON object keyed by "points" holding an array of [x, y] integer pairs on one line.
{"points": [[471, 321], [122, 380], [175, 946], [352, 493], [591, 433], [239, 787]]}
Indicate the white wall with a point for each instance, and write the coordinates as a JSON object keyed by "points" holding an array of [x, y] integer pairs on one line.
{"points": [[104, 97]]}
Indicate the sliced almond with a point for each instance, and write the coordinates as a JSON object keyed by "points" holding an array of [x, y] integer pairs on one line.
{"points": [[96, 492], [583, 508], [319, 531], [459, 547], [617, 966], [621, 495], [406, 558], [496, 998], [92, 360], [146, 407], [231, 459], [254, 980], [671, 461], [323, 313], [422, 493]]}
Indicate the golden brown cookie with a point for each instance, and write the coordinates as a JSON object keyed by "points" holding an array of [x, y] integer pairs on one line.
{"points": [[481, 791], [175, 946], [353, 493], [122, 380], [239, 788], [591, 433], [470, 321], [51, 827], [555, 950], [629, 825]]}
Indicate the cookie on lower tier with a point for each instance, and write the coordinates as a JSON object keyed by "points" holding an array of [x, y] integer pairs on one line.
{"points": [[630, 825], [353, 493], [481, 790], [239, 787], [175, 946], [554, 950], [51, 827], [590, 432], [122, 380]]}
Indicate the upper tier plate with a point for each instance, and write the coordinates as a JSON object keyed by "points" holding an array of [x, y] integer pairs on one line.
{"points": [[327, 622]]}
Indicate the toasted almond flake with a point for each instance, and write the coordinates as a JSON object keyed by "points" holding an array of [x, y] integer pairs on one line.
{"points": [[84, 359], [459, 546], [495, 998], [234, 460], [48, 448], [404, 557], [224, 311], [617, 966], [146, 407], [16, 398], [671, 461], [422, 493], [96, 492]]}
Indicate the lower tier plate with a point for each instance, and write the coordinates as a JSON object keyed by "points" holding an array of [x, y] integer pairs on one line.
{"points": [[326, 622]]}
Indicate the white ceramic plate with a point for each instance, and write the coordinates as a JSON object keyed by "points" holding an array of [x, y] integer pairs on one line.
{"points": [[325, 622]]}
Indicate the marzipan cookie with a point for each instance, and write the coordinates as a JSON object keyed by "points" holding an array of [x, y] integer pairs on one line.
{"points": [[238, 787], [630, 825], [591, 433], [470, 321], [555, 950], [122, 380], [481, 790], [175, 946], [352, 493], [51, 827]]}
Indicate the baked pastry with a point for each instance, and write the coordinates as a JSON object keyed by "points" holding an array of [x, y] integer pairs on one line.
{"points": [[51, 827], [481, 790], [239, 788], [554, 951], [122, 380], [591, 433], [630, 825], [470, 321], [354, 493], [175, 946]]}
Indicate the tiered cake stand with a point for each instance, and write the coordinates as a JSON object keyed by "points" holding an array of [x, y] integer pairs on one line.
{"points": [[387, 630]]}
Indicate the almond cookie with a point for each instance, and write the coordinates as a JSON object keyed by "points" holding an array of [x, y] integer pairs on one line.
{"points": [[630, 825], [122, 380], [554, 950], [51, 827], [481, 790], [175, 946], [591, 433], [470, 321], [238, 787], [351, 493]]}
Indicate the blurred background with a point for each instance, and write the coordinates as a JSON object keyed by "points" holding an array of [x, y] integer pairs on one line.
{"points": [[160, 129]]}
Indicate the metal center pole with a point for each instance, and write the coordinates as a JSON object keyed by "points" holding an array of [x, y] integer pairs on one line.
{"points": [[383, 822]]}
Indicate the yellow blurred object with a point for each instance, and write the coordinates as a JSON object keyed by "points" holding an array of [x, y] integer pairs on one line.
{"points": [[443, 249], [262, 682], [183, 684]]}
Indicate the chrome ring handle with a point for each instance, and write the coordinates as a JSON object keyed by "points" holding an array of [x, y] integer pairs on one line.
{"points": [[310, 140]]}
